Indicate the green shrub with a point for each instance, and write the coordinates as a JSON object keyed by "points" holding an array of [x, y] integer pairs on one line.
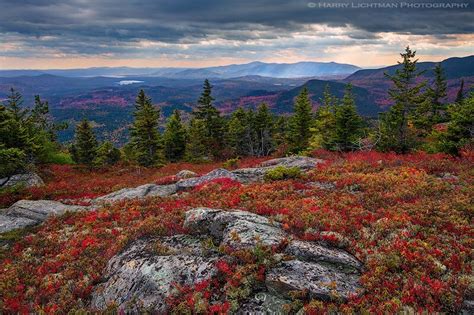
{"points": [[12, 160], [282, 172], [231, 163]]}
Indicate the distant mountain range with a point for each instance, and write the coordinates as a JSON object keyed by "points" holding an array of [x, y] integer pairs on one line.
{"points": [[106, 95], [274, 70]]}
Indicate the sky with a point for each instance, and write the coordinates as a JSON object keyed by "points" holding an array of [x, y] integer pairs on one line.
{"points": [[54, 34]]}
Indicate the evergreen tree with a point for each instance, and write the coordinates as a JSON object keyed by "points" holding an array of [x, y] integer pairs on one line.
{"points": [[264, 131], [213, 122], [460, 94], [174, 138], [324, 126], [460, 131], [85, 147], [145, 137], [396, 132], [196, 147], [106, 154], [300, 123], [431, 110], [348, 124], [238, 135]]}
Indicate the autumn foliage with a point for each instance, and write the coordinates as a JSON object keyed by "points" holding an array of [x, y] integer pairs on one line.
{"points": [[408, 218]]}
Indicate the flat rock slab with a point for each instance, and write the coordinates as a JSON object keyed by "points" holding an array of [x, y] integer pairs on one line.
{"points": [[25, 213], [240, 229], [40, 210], [27, 180], [8, 223], [143, 191], [217, 173], [142, 276], [322, 282]]}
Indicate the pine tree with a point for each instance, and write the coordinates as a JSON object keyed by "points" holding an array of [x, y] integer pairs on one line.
{"points": [[264, 131], [324, 126], [396, 133], [196, 147], [213, 122], [460, 131], [431, 111], [348, 124], [106, 154], [460, 94], [85, 146], [238, 136], [174, 138], [300, 123], [145, 137]]}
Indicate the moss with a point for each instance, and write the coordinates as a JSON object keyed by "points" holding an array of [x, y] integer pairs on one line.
{"points": [[282, 172]]}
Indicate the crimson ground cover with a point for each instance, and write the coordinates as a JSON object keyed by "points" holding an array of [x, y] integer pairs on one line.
{"points": [[408, 218]]}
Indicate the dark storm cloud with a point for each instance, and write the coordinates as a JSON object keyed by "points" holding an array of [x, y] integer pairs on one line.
{"points": [[96, 26]]}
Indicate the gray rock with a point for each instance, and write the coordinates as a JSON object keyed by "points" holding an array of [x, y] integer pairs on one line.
{"points": [[310, 251], [301, 162], [263, 303], [144, 191], [8, 223], [186, 174], [141, 277], [217, 173], [321, 281], [26, 180], [39, 210], [253, 174], [240, 229]]}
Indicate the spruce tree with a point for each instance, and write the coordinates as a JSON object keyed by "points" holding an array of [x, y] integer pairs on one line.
{"points": [[85, 146], [264, 131], [196, 146], [238, 135], [324, 126], [145, 137], [348, 124], [396, 132], [460, 94], [213, 122], [300, 123], [174, 138], [106, 154]]}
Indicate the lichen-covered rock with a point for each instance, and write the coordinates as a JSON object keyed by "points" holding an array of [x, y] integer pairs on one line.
{"points": [[253, 174], [240, 229], [263, 303], [143, 275], [8, 223], [40, 210], [310, 251], [26, 180], [322, 281], [217, 173], [302, 162], [25, 213], [143, 191], [184, 174]]}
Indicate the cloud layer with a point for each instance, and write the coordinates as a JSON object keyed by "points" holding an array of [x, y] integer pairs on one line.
{"points": [[200, 31]]}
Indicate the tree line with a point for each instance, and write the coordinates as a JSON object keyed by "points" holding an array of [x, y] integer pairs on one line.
{"points": [[419, 119]]}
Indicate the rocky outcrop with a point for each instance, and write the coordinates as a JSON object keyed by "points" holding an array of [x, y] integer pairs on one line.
{"points": [[144, 272], [217, 173], [25, 213], [140, 192], [143, 275], [184, 174], [252, 174], [26, 180]]}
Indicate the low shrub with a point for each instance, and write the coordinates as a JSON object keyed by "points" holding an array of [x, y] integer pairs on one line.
{"points": [[282, 172]]}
